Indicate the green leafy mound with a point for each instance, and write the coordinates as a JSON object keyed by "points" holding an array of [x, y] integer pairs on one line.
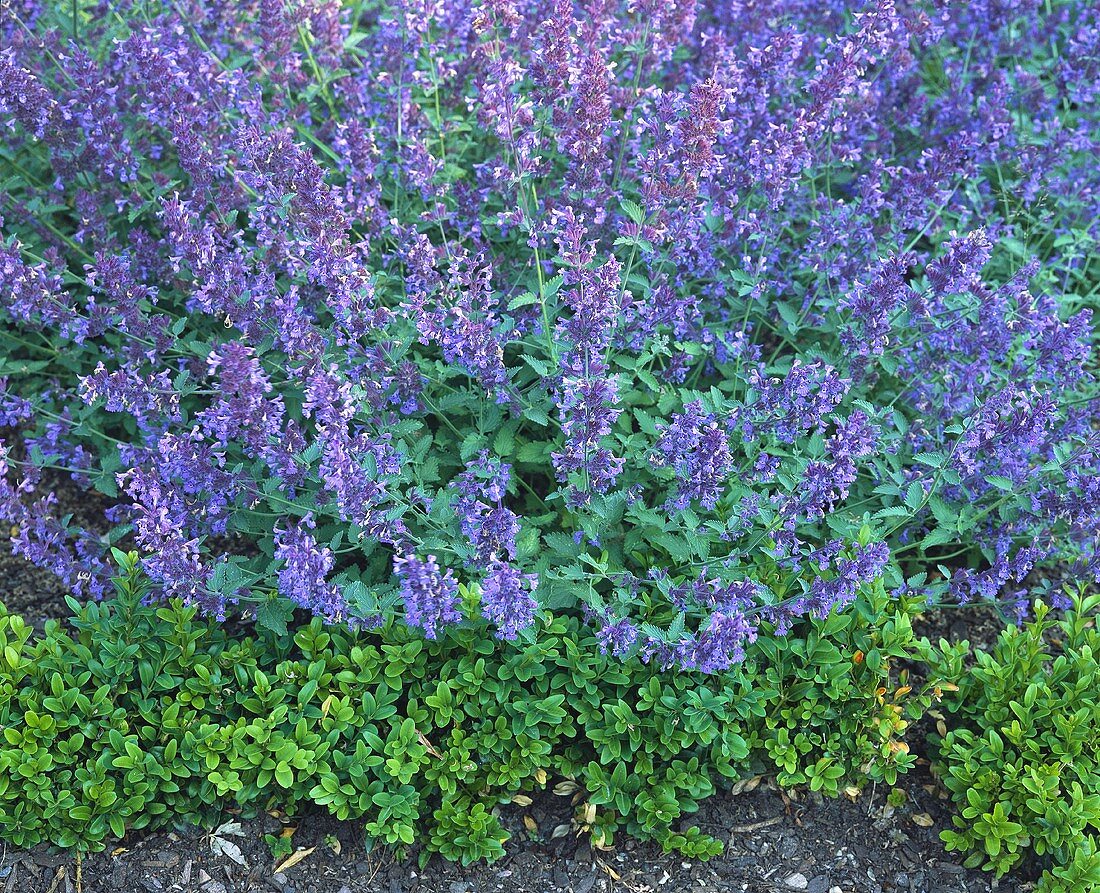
{"points": [[1023, 767], [142, 715]]}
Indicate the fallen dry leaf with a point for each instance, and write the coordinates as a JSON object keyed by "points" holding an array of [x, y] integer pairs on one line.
{"points": [[293, 859], [428, 745], [923, 819], [530, 824], [219, 846]]}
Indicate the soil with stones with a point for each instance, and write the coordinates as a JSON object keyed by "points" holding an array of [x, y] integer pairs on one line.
{"points": [[774, 844], [776, 841]]}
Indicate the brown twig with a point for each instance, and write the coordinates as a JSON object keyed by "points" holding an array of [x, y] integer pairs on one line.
{"points": [[756, 826]]}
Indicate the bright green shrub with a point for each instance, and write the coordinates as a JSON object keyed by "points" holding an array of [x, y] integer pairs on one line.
{"points": [[1022, 764], [143, 715]]}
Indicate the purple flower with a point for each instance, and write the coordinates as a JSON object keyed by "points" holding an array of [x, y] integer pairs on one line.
{"points": [[718, 646], [869, 311], [855, 437], [788, 407], [865, 566], [430, 596], [33, 295], [698, 129], [490, 527], [72, 554], [14, 410], [588, 408], [147, 398], [355, 469], [22, 96], [694, 445], [959, 267], [306, 566], [617, 637], [595, 299], [465, 324], [507, 599]]}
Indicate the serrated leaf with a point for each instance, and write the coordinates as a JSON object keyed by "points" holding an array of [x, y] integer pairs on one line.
{"points": [[504, 442], [933, 459], [938, 537], [274, 614], [789, 314], [633, 210], [914, 496], [540, 366], [527, 298], [551, 286]]}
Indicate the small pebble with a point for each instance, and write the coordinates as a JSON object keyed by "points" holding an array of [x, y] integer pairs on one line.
{"points": [[797, 881]]}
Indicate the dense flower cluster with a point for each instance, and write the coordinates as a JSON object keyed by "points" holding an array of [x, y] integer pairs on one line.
{"points": [[691, 317]]}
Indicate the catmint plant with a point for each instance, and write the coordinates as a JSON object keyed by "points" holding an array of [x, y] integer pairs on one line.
{"points": [[689, 318]]}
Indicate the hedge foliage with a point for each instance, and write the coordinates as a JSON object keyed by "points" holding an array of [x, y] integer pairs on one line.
{"points": [[146, 714]]}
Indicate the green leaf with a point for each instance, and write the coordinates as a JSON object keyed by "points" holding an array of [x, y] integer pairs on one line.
{"points": [[505, 441], [527, 298], [540, 366], [284, 775], [551, 286], [931, 458], [938, 537], [914, 496], [274, 614], [633, 210]]}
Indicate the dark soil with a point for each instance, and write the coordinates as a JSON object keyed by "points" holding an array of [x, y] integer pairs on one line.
{"points": [[35, 594], [776, 841], [774, 844]]}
